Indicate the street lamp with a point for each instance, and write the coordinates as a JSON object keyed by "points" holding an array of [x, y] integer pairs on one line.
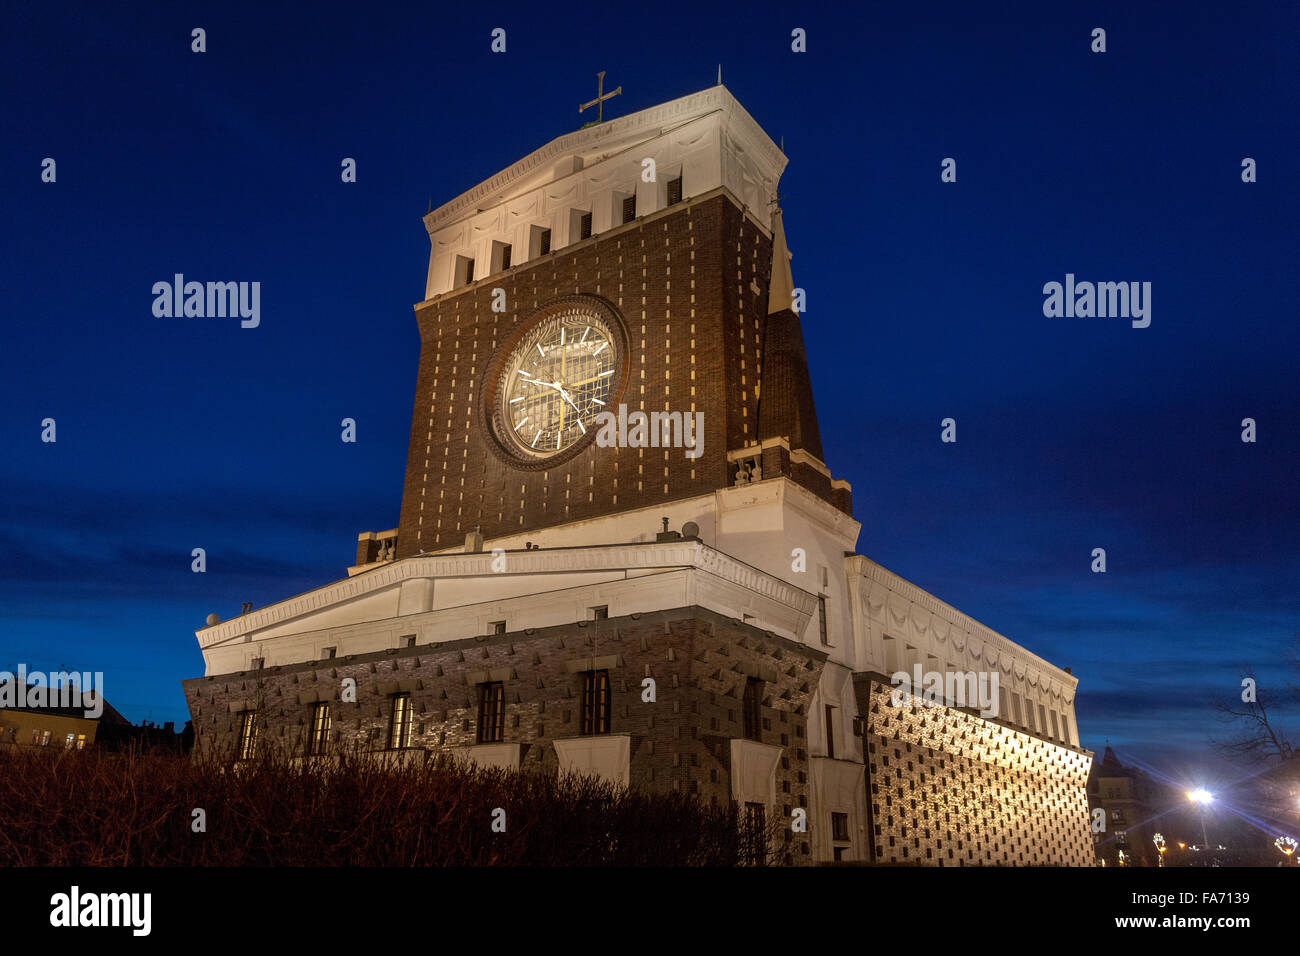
{"points": [[1159, 841], [1203, 798]]}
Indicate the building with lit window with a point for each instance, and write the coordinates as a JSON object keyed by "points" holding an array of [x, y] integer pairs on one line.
{"points": [[621, 552]]}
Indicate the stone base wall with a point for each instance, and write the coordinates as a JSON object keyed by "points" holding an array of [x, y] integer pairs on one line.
{"points": [[699, 660]]}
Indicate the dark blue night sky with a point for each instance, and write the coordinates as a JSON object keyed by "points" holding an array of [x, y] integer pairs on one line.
{"points": [[924, 301]]}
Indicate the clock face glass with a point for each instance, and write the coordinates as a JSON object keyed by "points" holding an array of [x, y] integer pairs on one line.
{"points": [[556, 382]]}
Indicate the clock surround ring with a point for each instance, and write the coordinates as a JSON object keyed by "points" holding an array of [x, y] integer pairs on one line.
{"points": [[490, 415]]}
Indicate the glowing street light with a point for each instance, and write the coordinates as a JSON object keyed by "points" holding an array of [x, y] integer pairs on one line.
{"points": [[1286, 844], [1159, 841], [1202, 798]]}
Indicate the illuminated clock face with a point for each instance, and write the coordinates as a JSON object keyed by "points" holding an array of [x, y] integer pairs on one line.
{"points": [[557, 380]]}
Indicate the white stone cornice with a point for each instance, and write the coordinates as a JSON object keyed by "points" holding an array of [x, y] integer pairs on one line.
{"points": [[626, 557], [811, 506], [646, 123], [992, 645]]}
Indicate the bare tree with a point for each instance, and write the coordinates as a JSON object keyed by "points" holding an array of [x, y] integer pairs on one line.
{"points": [[1257, 734]]}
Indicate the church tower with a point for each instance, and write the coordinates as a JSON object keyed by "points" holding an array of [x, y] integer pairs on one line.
{"points": [[643, 261], [621, 552]]}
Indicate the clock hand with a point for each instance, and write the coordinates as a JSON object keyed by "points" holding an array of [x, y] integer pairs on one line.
{"points": [[594, 378], [559, 388]]}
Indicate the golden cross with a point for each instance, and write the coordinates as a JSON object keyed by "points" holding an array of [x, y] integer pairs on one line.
{"points": [[601, 96]]}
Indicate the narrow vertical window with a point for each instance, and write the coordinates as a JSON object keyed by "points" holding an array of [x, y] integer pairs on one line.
{"points": [[751, 709], [584, 226], [674, 191], [248, 735], [840, 827], [754, 839], [830, 731], [539, 241], [491, 712], [464, 273], [505, 257], [595, 702], [399, 730], [318, 741], [629, 208], [821, 619]]}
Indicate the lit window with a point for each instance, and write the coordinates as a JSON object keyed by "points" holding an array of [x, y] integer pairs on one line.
{"points": [[248, 735], [319, 740], [754, 839], [595, 702], [399, 730], [491, 712]]}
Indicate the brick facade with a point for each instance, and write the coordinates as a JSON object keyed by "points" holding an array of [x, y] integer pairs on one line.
{"points": [[690, 286]]}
